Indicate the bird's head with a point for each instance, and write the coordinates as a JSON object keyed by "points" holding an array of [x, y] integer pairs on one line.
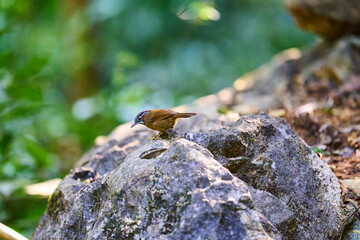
{"points": [[139, 118]]}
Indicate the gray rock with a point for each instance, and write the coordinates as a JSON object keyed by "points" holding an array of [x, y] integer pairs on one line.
{"points": [[264, 152], [163, 190], [275, 211], [111, 153], [177, 190], [269, 228]]}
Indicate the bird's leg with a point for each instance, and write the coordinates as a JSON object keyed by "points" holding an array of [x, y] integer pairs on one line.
{"points": [[157, 137], [162, 135]]}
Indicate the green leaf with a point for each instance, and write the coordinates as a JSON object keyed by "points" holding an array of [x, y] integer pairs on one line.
{"points": [[7, 59], [33, 67], [26, 91], [40, 154], [318, 150], [22, 109]]}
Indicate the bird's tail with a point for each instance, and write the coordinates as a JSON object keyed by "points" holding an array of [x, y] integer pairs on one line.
{"points": [[185, 115]]}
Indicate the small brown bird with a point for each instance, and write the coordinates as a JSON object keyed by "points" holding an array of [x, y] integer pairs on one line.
{"points": [[160, 119]]}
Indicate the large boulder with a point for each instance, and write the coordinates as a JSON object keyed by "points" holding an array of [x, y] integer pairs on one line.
{"points": [[264, 152], [163, 190], [216, 178], [330, 19]]}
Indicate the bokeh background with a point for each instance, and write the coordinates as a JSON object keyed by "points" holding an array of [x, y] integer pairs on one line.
{"points": [[74, 69]]}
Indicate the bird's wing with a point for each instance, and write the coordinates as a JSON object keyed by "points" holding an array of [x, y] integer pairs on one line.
{"points": [[163, 114]]}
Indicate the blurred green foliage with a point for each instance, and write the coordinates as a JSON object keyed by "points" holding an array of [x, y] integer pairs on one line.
{"points": [[72, 70]]}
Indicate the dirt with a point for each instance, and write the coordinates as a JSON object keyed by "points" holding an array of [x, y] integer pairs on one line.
{"points": [[330, 123]]}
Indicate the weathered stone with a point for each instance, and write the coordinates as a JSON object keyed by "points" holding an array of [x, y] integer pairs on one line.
{"points": [[147, 193], [328, 18], [264, 152], [269, 228], [275, 211], [111, 153], [180, 193]]}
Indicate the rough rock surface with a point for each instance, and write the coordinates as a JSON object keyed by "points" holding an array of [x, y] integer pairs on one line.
{"points": [[329, 18], [276, 211], [264, 152], [162, 190], [177, 190]]}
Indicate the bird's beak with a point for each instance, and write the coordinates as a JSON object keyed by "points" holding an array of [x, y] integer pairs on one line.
{"points": [[133, 124]]}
